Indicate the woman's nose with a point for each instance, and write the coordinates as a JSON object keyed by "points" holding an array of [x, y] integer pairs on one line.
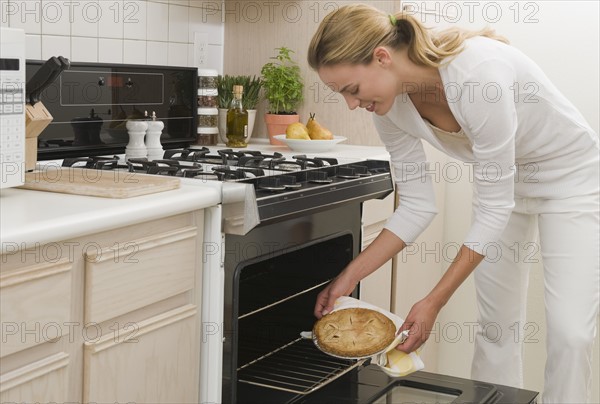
{"points": [[352, 102]]}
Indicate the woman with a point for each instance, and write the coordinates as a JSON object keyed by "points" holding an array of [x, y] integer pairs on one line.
{"points": [[535, 162]]}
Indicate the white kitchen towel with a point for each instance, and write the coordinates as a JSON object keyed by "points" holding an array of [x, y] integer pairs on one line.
{"points": [[393, 362]]}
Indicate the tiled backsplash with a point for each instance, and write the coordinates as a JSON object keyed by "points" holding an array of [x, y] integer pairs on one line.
{"points": [[118, 31]]}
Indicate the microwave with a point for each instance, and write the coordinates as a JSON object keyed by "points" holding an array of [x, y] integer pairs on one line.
{"points": [[12, 107]]}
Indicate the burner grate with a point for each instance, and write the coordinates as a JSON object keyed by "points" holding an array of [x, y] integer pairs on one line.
{"points": [[298, 367]]}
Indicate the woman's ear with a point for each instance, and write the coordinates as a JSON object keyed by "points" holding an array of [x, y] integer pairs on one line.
{"points": [[382, 56]]}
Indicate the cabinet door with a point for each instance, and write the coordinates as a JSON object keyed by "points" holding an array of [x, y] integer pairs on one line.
{"points": [[153, 361], [377, 287], [43, 381]]}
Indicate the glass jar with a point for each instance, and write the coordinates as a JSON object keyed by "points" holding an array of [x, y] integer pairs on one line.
{"points": [[208, 98], [208, 117], [207, 78], [207, 136]]}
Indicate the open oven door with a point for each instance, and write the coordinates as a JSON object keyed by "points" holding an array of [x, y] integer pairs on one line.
{"points": [[370, 385]]}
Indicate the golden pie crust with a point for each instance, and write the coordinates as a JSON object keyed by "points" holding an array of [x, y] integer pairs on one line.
{"points": [[353, 333]]}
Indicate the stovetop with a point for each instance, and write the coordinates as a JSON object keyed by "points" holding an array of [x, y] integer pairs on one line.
{"points": [[283, 185]]}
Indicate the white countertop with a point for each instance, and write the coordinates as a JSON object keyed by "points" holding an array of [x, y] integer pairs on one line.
{"points": [[29, 218], [341, 151]]}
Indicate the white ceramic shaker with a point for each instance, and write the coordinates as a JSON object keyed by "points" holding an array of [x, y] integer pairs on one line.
{"points": [[153, 145], [136, 147]]}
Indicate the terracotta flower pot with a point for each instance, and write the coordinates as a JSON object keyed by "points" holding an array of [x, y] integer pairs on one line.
{"points": [[277, 124]]}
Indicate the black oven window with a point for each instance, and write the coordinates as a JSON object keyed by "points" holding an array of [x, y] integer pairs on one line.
{"points": [[278, 292], [91, 104]]}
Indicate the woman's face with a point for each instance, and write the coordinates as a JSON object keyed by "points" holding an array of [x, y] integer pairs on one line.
{"points": [[371, 86]]}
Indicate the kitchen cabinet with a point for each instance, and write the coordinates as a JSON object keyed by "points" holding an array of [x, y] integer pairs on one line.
{"points": [[377, 287], [107, 317]]}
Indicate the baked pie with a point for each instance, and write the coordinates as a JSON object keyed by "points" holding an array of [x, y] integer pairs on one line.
{"points": [[353, 333]]}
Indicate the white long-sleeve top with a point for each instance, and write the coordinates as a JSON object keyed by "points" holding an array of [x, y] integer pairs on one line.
{"points": [[524, 139]]}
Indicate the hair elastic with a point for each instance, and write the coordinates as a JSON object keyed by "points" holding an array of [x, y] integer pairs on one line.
{"points": [[393, 19]]}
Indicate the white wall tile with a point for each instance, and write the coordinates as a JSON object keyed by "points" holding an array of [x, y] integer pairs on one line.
{"points": [[135, 19], [203, 21], [113, 16], [157, 32], [157, 53], [84, 49], [110, 50], [33, 46], [178, 24], [158, 22], [56, 46], [134, 52], [56, 17], [26, 14], [190, 50], [4, 13], [85, 18], [215, 58], [178, 54]]}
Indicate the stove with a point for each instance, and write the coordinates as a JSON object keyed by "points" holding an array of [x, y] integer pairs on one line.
{"points": [[283, 186]]}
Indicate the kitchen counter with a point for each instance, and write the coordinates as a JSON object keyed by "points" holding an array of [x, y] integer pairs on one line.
{"points": [[29, 218], [341, 151]]}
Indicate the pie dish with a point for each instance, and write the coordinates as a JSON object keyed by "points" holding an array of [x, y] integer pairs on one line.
{"points": [[354, 333]]}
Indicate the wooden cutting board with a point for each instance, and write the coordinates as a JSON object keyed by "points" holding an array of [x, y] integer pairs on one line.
{"points": [[103, 183]]}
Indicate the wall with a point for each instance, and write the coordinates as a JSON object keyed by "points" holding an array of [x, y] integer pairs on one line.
{"points": [[116, 31], [252, 32]]}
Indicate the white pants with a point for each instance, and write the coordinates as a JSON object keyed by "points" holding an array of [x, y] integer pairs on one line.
{"points": [[569, 243]]}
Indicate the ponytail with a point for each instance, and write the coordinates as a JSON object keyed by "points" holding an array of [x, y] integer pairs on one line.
{"points": [[336, 42]]}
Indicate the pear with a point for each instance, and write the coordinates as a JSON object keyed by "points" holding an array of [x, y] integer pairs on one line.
{"points": [[316, 131], [296, 130]]}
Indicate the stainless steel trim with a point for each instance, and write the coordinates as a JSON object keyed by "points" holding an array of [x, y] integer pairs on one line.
{"points": [[298, 367]]}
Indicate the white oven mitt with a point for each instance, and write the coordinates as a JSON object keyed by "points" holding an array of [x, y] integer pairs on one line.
{"points": [[393, 362]]}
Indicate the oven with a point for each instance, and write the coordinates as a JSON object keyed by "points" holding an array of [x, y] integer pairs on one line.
{"points": [[273, 275], [287, 225]]}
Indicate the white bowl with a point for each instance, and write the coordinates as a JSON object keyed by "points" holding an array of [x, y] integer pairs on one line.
{"points": [[310, 146]]}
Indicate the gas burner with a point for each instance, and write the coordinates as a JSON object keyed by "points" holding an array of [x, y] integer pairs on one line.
{"points": [[194, 155], [353, 171], [97, 163], [163, 167], [318, 177], [238, 173], [315, 162], [278, 183]]}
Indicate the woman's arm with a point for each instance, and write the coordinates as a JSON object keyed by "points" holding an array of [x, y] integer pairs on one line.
{"points": [[421, 318], [385, 246]]}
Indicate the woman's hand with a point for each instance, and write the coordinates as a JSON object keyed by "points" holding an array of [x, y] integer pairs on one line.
{"points": [[342, 285], [419, 322]]}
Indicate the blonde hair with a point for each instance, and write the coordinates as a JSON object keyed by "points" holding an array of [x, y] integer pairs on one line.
{"points": [[351, 33]]}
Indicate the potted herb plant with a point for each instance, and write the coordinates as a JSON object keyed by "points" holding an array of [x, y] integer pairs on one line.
{"points": [[283, 85], [252, 86]]}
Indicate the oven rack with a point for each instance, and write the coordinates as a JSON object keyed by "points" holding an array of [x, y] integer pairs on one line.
{"points": [[263, 301], [298, 367]]}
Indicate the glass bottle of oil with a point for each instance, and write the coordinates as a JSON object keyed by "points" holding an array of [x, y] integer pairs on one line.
{"points": [[237, 120]]}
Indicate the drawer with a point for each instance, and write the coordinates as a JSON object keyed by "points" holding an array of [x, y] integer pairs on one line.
{"points": [[35, 305], [131, 275], [43, 381]]}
